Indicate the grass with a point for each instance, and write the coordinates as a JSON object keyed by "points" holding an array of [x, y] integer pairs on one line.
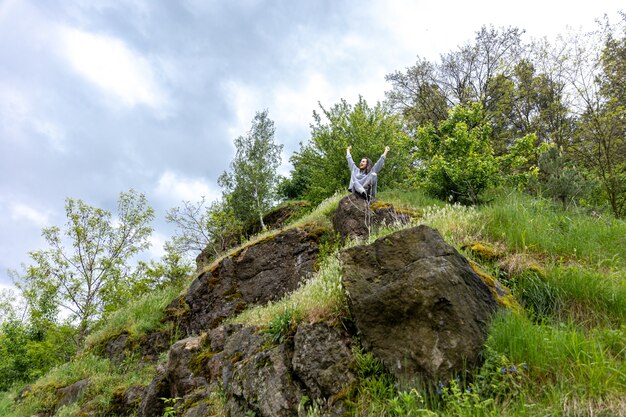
{"points": [[104, 379], [137, 318], [524, 223], [321, 297]]}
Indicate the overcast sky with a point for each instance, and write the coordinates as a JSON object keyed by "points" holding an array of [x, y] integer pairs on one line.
{"points": [[97, 97]]}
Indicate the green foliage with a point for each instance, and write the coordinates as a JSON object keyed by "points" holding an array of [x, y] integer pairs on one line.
{"points": [[250, 186], [282, 327], [105, 379], [456, 159], [170, 406], [558, 178], [539, 297], [526, 102], [320, 167], [29, 351], [589, 295], [427, 90], [93, 272], [138, 317], [172, 270], [562, 354]]}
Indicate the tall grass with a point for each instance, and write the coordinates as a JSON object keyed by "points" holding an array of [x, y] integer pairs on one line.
{"points": [[562, 355], [137, 318], [590, 295], [320, 297], [104, 379], [414, 198], [530, 224]]}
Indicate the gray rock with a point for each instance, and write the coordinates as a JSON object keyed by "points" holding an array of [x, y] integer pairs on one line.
{"points": [[178, 367], [71, 393], [263, 383], [152, 405], [354, 217], [259, 273], [323, 360], [115, 348], [417, 304]]}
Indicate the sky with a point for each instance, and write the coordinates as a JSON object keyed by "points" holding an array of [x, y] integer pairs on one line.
{"points": [[98, 97]]}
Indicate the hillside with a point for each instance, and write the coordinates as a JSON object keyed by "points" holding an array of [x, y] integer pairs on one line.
{"points": [[556, 345]]}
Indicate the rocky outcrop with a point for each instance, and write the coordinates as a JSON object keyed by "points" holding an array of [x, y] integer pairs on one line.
{"points": [[274, 219], [254, 374], [355, 217], [417, 304], [258, 273]]}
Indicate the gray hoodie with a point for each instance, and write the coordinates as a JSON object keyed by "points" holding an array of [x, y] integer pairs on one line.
{"points": [[360, 180]]}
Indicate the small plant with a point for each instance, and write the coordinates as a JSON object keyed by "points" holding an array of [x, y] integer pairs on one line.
{"points": [[170, 407], [408, 404], [280, 328]]}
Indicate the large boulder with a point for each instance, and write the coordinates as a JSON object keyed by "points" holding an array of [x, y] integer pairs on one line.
{"points": [[417, 304], [261, 272], [355, 217]]}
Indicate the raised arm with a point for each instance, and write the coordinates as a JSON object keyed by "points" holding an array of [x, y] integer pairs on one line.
{"points": [[351, 163], [381, 161]]}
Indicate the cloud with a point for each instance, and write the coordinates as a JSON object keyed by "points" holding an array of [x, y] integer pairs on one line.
{"points": [[176, 188], [114, 68], [157, 242], [20, 211]]}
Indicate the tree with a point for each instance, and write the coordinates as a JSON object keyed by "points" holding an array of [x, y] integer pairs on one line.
{"points": [[599, 144], [200, 226], [427, 90], [527, 102], [559, 178], [76, 278], [417, 95], [250, 186], [28, 351], [456, 161], [322, 161]]}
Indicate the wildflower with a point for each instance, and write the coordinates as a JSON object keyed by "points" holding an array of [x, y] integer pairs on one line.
{"points": [[513, 368], [468, 390], [503, 370], [524, 365]]}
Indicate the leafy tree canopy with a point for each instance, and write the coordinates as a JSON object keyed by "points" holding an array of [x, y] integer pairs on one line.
{"points": [[86, 263], [320, 167]]}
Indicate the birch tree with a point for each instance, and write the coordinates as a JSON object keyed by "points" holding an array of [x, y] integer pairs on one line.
{"points": [[250, 186]]}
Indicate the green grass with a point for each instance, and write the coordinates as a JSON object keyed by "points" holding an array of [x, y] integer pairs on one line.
{"points": [[137, 318], [591, 296], [104, 378], [320, 297], [537, 225]]}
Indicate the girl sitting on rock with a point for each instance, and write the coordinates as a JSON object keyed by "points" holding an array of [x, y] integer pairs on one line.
{"points": [[364, 178]]}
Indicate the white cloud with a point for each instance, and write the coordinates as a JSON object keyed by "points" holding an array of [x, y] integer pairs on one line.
{"points": [[176, 188], [113, 67], [157, 241], [20, 211], [245, 102]]}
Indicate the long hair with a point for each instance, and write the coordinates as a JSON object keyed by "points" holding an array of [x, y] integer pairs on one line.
{"points": [[369, 165]]}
